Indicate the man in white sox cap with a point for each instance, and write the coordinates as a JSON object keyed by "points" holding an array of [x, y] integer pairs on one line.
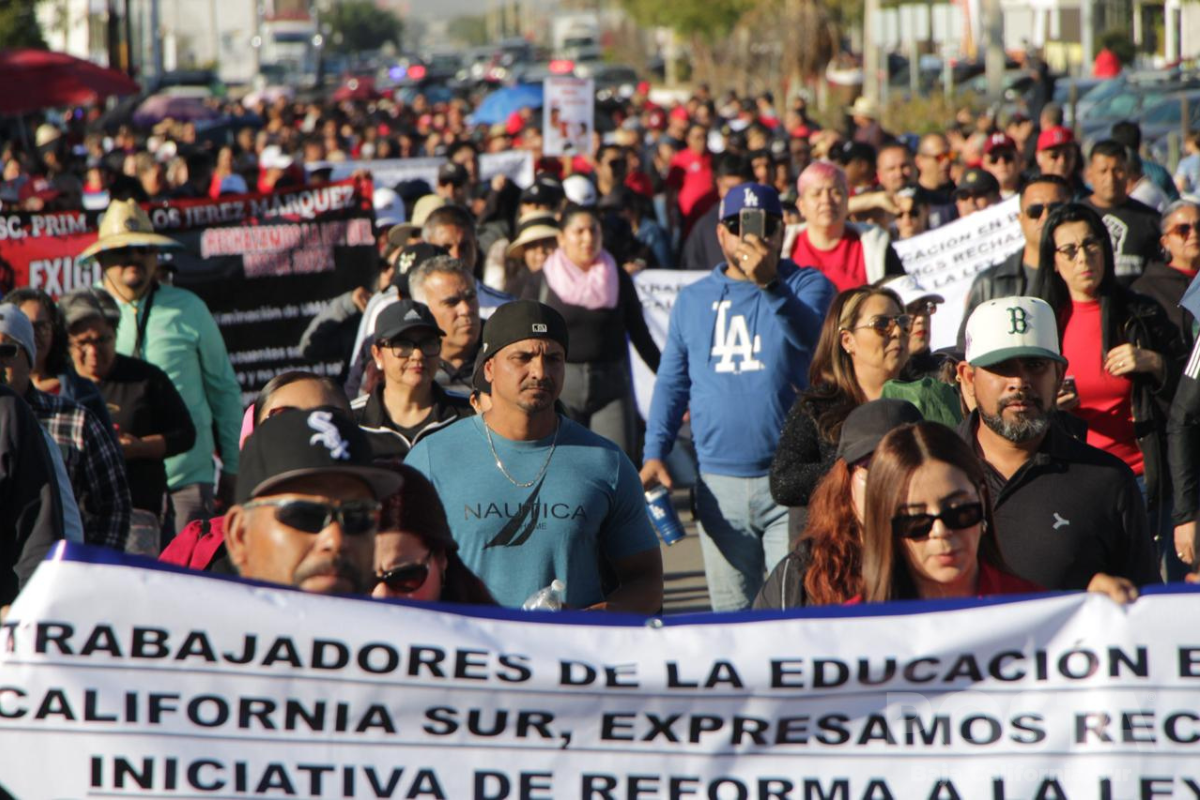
{"points": [[1068, 516]]}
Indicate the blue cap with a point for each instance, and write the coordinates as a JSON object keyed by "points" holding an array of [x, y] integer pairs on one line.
{"points": [[750, 195]]}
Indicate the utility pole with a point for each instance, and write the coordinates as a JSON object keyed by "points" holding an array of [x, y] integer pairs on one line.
{"points": [[870, 51], [112, 31], [994, 60]]}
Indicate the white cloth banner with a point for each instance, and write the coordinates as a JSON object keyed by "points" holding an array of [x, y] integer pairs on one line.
{"points": [[119, 679], [947, 259], [516, 164], [569, 116], [657, 289]]}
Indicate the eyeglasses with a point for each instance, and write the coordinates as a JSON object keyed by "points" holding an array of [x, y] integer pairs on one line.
{"points": [[1035, 210], [941, 158], [1006, 157], [310, 516], [917, 527], [79, 345], [8, 350], [1090, 247], [912, 213], [1184, 230], [123, 255], [430, 346], [770, 226], [406, 578], [885, 326]]}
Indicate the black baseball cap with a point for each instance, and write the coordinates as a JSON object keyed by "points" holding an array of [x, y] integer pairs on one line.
{"points": [[543, 193], [867, 424], [402, 316], [516, 322], [977, 181], [300, 442], [451, 172], [412, 257]]}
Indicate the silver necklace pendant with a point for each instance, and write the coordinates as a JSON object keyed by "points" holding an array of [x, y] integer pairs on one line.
{"points": [[487, 431]]}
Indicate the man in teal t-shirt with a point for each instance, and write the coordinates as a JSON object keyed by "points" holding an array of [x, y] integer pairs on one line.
{"points": [[532, 496]]}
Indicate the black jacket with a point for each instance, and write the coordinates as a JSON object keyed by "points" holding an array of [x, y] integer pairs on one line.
{"points": [[387, 441], [1070, 512], [31, 517], [1183, 441], [702, 249], [784, 587], [1166, 286], [1006, 279]]}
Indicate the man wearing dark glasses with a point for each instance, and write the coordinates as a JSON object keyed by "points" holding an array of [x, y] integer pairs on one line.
{"points": [[977, 190], [1014, 275], [406, 404], [1068, 515], [308, 503], [1002, 161]]}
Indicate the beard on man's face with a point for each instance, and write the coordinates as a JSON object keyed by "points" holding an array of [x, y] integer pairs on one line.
{"points": [[1022, 425]]}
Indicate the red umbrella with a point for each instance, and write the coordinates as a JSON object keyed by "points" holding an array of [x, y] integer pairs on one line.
{"points": [[36, 79]]}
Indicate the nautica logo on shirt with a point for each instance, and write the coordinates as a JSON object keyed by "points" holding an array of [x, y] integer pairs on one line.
{"points": [[732, 342], [523, 518]]}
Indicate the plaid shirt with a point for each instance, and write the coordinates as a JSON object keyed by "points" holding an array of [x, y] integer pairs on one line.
{"points": [[94, 463]]}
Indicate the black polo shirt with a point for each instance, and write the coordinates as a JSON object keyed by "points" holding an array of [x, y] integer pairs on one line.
{"points": [[1070, 512]]}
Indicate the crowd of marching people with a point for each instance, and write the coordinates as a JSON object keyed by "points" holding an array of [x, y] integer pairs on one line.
{"points": [[482, 442]]}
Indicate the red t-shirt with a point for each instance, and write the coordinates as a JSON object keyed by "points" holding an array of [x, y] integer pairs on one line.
{"points": [[691, 177], [843, 264], [992, 582], [1104, 401]]}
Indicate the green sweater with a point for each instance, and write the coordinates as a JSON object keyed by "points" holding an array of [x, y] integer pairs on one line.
{"points": [[183, 341]]}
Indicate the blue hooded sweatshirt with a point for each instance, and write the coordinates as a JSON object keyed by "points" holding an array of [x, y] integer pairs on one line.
{"points": [[737, 355]]}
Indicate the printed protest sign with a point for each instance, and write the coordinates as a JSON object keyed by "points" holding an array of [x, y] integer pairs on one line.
{"points": [[569, 116]]}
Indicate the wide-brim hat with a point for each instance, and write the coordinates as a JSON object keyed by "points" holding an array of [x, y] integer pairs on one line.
{"points": [[533, 228], [864, 107], [125, 224]]}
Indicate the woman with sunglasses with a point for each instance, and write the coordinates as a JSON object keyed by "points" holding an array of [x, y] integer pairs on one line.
{"points": [[927, 527], [1166, 279], [1123, 353], [825, 566], [415, 555], [863, 345]]}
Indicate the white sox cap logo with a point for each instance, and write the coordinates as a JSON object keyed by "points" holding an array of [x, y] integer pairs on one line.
{"points": [[328, 435]]}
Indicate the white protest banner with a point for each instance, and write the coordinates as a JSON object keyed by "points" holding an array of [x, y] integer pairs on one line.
{"points": [[516, 164], [569, 117], [946, 260], [657, 289], [120, 678]]}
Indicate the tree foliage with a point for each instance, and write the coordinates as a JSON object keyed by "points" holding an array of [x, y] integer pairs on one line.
{"points": [[707, 19], [18, 25], [470, 30], [358, 25]]}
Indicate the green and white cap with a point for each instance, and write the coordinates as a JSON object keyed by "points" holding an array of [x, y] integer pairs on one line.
{"points": [[1012, 327]]}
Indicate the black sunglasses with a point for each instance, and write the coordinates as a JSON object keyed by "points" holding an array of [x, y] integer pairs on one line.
{"points": [[918, 526], [1184, 229], [1002, 156], [406, 578], [310, 516], [1036, 210], [8, 350], [771, 226]]}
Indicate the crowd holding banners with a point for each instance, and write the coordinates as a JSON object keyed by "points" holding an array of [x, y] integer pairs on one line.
{"points": [[480, 323]]}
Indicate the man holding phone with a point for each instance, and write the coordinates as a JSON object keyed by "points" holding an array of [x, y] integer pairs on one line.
{"points": [[738, 348]]}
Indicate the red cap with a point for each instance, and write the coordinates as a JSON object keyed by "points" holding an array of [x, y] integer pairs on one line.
{"points": [[640, 183], [999, 141], [680, 113], [1054, 137], [643, 87]]}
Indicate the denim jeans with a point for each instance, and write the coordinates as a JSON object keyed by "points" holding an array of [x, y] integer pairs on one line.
{"points": [[1158, 523], [744, 534]]}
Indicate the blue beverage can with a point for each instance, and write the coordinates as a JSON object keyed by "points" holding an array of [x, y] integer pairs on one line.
{"points": [[663, 515]]}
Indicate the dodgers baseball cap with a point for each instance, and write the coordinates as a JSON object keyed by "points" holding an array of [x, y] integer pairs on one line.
{"points": [[515, 322], [299, 442], [402, 316], [750, 195], [1012, 327]]}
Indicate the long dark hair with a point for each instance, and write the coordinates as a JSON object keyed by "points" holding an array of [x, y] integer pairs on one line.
{"points": [[902, 452], [417, 509], [1051, 287], [834, 391]]}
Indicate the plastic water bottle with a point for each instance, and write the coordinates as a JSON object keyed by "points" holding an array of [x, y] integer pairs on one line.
{"points": [[548, 599]]}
